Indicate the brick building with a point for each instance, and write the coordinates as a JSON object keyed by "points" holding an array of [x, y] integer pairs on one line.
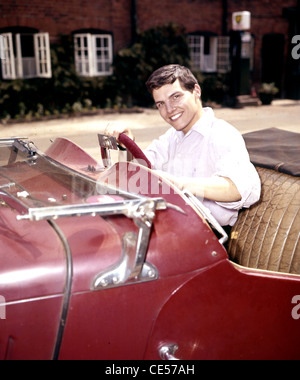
{"points": [[100, 28]]}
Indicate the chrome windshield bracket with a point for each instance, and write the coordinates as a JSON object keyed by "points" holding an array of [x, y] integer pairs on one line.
{"points": [[106, 143], [130, 208], [25, 147], [9, 141], [132, 266]]}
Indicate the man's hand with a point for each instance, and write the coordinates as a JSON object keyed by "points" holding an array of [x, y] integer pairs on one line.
{"points": [[115, 129]]}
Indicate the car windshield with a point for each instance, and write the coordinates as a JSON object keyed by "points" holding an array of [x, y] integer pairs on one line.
{"points": [[40, 188], [29, 180]]}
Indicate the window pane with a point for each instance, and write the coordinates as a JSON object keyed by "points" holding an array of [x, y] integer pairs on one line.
{"points": [[42, 55], [82, 54], [92, 52], [2, 50], [196, 46], [103, 54], [8, 64], [27, 45], [223, 60], [203, 51]]}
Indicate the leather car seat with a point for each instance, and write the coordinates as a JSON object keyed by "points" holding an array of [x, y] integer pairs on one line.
{"points": [[267, 235]]}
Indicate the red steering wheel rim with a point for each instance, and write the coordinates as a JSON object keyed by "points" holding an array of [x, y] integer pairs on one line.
{"points": [[135, 150]]}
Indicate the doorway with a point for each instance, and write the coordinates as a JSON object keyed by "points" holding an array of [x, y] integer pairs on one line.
{"points": [[273, 59]]}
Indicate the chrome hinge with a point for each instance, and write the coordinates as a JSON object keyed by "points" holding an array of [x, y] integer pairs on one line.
{"points": [[132, 266]]}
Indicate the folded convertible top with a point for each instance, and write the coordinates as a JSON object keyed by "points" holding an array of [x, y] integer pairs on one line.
{"points": [[276, 149]]}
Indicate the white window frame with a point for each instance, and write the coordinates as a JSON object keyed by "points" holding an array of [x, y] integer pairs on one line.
{"points": [[42, 55], [83, 54], [13, 64], [218, 60], [223, 59], [2, 51], [196, 46], [8, 64], [93, 54]]}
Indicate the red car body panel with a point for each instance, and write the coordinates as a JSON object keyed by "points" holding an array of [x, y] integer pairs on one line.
{"points": [[249, 315], [200, 301], [32, 280]]}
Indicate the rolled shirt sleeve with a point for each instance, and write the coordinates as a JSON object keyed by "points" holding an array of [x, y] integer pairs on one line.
{"points": [[230, 159], [234, 163]]}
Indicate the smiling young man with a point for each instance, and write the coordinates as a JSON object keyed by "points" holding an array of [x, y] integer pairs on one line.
{"points": [[200, 153]]}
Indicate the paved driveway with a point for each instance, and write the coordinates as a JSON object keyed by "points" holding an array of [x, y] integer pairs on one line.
{"points": [[284, 114]]}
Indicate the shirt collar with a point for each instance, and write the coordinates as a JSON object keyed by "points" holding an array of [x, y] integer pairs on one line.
{"points": [[203, 125]]}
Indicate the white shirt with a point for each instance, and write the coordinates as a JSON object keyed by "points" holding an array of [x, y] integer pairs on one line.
{"points": [[211, 148]]}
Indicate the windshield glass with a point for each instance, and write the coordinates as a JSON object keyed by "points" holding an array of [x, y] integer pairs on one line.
{"points": [[33, 180]]}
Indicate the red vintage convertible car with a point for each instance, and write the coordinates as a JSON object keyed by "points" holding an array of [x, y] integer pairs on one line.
{"points": [[109, 261]]}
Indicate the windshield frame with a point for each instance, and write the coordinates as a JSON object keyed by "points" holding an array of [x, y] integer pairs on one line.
{"points": [[79, 194]]}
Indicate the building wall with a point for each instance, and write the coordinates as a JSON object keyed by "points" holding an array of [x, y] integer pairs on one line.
{"points": [[201, 15], [64, 17], [266, 18], [195, 15]]}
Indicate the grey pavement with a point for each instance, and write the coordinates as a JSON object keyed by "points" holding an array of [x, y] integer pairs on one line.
{"points": [[147, 125]]}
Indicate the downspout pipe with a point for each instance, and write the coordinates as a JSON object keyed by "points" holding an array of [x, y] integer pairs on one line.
{"points": [[133, 17], [225, 17]]}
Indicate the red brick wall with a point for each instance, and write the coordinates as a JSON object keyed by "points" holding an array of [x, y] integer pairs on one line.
{"points": [[65, 16], [195, 15]]}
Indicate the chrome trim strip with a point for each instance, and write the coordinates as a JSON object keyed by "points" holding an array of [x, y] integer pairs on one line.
{"points": [[126, 207], [67, 289], [205, 212]]}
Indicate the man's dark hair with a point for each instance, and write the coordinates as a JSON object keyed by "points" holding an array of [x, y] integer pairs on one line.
{"points": [[168, 75]]}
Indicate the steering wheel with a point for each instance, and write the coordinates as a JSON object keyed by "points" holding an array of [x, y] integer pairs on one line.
{"points": [[134, 149]]}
